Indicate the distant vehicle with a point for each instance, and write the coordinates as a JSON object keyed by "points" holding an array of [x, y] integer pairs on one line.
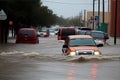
{"points": [[99, 36], [43, 33], [56, 31], [77, 27], [27, 35], [85, 28], [66, 31], [52, 31], [82, 32], [80, 45]]}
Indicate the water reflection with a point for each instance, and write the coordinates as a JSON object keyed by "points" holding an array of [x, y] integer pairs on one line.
{"points": [[71, 72], [94, 71], [71, 75], [82, 58], [55, 67]]}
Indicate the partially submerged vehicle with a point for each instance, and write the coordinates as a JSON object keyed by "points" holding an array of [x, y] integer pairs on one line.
{"points": [[80, 45]]}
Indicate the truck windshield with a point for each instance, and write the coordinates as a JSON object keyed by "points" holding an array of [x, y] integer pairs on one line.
{"points": [[82, 42]]}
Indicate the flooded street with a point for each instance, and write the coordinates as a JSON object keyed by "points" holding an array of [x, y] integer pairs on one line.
{"points": [[44, 61]]}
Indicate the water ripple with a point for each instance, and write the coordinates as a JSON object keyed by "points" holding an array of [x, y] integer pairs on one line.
{"points": [[81, 58]]}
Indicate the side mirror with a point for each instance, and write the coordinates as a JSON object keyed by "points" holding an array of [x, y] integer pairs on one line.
{"points": [[99, 45], [106, 36], [65, 46]]}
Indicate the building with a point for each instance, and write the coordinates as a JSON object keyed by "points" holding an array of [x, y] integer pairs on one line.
{"points": [[109, 18], [90, 19], [113, 15]]}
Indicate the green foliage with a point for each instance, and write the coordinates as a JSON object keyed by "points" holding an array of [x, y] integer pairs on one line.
{"points": [[75, 21], [33, 13], [28, 12]]}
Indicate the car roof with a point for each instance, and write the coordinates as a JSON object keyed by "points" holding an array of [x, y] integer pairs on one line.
{"points": [[85, 28], [67, 27], [27, 29], [79, 36], [97, 31]]}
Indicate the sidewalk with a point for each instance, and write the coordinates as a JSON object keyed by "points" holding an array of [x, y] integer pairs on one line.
{"points": [[110, 41]]}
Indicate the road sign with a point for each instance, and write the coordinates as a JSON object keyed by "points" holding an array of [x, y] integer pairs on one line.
{"points": [[3, 15], [97, 18]]}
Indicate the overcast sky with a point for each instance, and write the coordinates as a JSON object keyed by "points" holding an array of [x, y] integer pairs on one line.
{"points": [[71, 8]]}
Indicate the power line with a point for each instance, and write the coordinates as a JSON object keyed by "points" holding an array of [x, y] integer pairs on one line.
{"points": [[68, 3]]}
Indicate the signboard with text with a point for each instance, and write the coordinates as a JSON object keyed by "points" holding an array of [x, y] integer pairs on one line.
{"points": [[3, 15]]}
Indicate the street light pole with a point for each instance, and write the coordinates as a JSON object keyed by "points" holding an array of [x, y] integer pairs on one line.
{"points": [[103, 11], [84, 17], [115, 29], [108, 6], [93, 11], [98, 12]]}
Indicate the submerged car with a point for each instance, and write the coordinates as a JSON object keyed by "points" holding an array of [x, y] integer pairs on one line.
{"points": [[43, 33], [99, 36], [66, 31], [52, 31], [85, 28], [80, 45], [27, 35]]}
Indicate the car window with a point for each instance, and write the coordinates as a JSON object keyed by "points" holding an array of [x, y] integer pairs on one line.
{"points": [[97, 35], [81, 32], [26, 32], [66, 32], [82, 42], [85, 28], [106, 36], [52, 30]]}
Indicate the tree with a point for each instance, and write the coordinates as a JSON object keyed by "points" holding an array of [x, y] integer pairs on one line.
{"points": [[26, 13]]}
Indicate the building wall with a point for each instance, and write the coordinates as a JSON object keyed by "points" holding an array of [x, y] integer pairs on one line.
{"points": [[106, 17], [112, 22]]}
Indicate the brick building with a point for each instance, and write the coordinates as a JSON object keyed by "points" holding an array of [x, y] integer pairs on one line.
{"points": [[112, 20]]}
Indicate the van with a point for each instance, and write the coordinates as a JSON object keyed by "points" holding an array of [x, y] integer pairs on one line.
{"points": [[66, 31], [27, 35]]}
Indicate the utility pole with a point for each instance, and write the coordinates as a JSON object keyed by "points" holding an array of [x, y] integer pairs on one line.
{"points": [[84, 17], [108, 6], [93, 11], [115, 29], [98, 12], [103, 11], [80, 18]]}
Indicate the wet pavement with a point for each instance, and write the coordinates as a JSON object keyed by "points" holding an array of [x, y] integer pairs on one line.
{"points": [[19, 68], [44, 61]]}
